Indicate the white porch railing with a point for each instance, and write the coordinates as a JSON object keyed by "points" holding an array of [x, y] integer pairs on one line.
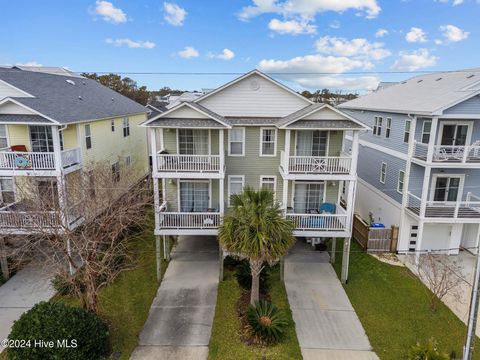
{"points": [[71, 157], [186, 163], [187, 220], [316, 164], [320, 222], [470, 208], [467, 153], [27, 220], [27, 160]]}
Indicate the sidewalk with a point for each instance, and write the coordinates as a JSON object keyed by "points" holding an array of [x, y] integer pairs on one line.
{"points": [[326, 323], [180, 320], [26, 288]]}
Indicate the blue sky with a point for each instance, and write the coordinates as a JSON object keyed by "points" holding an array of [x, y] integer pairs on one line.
{"points": [[236, 36]]}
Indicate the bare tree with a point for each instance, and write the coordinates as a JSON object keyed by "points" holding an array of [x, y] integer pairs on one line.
{"points": [[441, 275], [82, 224]]}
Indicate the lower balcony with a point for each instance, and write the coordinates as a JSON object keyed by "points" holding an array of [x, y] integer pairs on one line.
{"points": [[187, 223], [463, 211], [315, 224]]}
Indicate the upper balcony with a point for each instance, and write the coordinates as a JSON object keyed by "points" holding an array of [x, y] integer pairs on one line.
{"points": [[467, 155], [191, 166], [38, 163]]}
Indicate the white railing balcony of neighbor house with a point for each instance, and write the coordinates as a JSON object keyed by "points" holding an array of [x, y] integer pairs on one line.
{"points": [[28, 160], [468, 209], [14, 218], [449, 153], [320, 222], [187, 220], [189, 163], [315, 164]]}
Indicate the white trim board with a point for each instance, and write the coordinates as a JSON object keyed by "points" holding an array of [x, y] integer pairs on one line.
{"points": [[380, 148]]}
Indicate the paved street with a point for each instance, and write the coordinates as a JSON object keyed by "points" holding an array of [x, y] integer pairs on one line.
{"points": [[180, 320], [326, 323]]}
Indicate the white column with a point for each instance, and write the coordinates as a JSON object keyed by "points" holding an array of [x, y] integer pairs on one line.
{"points": [[426, 182], [418, 247], [432, 140], [285, 194], [355, 144], [153, 146], [156, 201], [221, 149], [406, 180], [351, 203], [56, 149], [79, 141], [287, 150], [222, 195]]}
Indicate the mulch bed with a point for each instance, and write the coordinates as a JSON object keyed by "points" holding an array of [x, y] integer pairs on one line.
{"points": [[245, 332]]}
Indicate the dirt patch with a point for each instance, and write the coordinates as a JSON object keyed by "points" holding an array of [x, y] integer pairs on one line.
{"points": [[388, 258]]}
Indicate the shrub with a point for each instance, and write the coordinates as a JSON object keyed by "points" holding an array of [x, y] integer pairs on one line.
{"points": [[57, 322], [244, 276], [65, 284], [267, 321], [427, 351]]}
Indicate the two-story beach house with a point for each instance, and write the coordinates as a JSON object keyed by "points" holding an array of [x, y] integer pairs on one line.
{"points": [[253, 131], [419, 167], [53, 125]]}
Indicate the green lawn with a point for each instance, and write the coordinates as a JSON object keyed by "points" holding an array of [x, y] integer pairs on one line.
{"points": [[394, 308], [125, 303], [225, 343]]}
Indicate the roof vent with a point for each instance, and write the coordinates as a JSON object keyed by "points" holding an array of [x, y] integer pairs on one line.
{"points": [[470, 76], [438, 79], [71, 82], [403, 82], [80, 97], [113, 99], [419, 81]]}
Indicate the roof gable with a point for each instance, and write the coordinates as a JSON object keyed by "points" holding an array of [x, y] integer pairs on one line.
{"points": [[253, 95]]}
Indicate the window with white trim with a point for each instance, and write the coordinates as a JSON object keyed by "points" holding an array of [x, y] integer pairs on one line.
{"points": [[88, 137], [268, 182], [7, 195], [401, 181], [377, 126], [426, 130], [406, 131], [383, 173], [388, 127], [235, 185], [236, 142], [112, 125], [268, 138], [126, 127], [3, 136]]}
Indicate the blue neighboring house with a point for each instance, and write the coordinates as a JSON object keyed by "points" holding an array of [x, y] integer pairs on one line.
{"points": [[419, 167]]}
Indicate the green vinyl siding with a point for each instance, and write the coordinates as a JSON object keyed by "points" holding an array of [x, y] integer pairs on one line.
{"points": [[335, 140], [331, 191], [171, 191], [170, 140]]}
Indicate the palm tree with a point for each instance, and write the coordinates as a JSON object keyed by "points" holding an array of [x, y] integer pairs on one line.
{"points": [[255, 228]]}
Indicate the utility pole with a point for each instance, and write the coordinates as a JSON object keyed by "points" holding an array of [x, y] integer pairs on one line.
{"points": [[473, 313]]}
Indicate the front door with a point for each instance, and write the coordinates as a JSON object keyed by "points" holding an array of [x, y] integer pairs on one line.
{"points": [[454, 134], [447, 189]]}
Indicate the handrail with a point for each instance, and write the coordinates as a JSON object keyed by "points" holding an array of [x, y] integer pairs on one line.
{"points": [[193, 163], [302, 164]]}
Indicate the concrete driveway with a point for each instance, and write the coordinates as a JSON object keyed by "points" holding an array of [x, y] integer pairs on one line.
{"points": [[25, 289], [180, 320], [326, 323]]}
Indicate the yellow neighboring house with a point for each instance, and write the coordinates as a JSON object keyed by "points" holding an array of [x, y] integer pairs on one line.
{"points": [[54, 125]]}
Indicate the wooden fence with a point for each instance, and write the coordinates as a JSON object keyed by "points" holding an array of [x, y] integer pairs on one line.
{"points": [[374, 239]]}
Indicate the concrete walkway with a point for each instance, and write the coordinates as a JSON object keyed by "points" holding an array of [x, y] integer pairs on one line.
{"points": [[326, 323], [25, 289], [180, 320]]}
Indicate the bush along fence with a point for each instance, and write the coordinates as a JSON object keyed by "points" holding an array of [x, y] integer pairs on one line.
{"points": [[375, 239]]}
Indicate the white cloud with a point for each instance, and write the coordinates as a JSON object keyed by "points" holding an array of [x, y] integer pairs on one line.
{"points": [[174, 14], [416, 35], [109, 13], [131, 43], [381, 33], [453, 33], [454, 2], [411, 61], [360, 47], [307, 9], [226, 54], [292, 27], [188, 52], [324, 71]]}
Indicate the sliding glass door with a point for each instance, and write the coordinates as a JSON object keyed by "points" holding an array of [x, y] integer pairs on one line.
{"points": [[312, 143], [194, 196], [447, 188], [193, 142], [308, 197]]}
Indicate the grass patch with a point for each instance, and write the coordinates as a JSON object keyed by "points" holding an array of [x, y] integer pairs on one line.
{"points": [[126, 302], [393, 307], [225, 343]]}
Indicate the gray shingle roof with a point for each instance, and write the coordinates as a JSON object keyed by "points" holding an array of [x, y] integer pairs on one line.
{"points": [[325, 124], [424, 94], [186, 123], [17, 118], [67, 103], [299, 114], [253, 120]]}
